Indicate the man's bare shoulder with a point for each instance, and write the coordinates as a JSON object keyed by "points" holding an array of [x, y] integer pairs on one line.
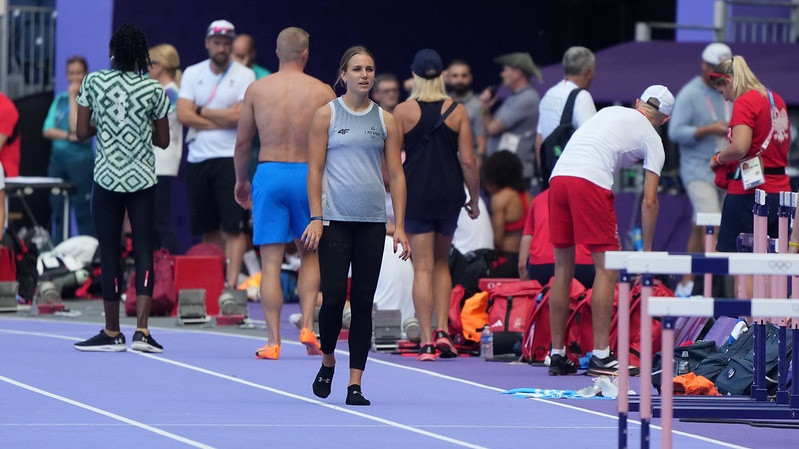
{"points": [[292, 84], [321, 88]]}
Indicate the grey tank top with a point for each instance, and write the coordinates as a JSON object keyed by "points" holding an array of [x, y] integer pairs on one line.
{"points": [[352, 184]]}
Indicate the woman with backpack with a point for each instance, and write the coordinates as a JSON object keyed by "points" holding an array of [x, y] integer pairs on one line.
{"points": [[128, 113], [439, 158]]}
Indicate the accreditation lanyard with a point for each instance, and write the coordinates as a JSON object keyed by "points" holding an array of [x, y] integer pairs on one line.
{"points": [[752, 171], [216, 86]]}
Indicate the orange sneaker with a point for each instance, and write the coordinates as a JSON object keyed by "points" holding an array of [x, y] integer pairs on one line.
{"points": [[270, 352], [308, 338]]}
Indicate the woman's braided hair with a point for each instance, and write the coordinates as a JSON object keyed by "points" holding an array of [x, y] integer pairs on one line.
{"points": [[129, 51]]}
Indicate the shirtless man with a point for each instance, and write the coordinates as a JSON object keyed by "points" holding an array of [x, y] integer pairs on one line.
{"points": [[282, 106]]}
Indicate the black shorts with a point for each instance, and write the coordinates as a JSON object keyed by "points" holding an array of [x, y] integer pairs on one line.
{"points": [[737, 217], [212, 206]]}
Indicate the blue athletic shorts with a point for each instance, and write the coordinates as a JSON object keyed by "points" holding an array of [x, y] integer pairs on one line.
{"points": [[280, 209]]}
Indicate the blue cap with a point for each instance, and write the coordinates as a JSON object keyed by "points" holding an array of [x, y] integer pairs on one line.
{"points": [[427, 64]]}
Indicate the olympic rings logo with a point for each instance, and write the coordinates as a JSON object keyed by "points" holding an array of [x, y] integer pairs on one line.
{"points": [[780, 265]]}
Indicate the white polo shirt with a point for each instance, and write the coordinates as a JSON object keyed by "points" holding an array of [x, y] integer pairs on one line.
{"points": [[218, 91], [551, 107]]}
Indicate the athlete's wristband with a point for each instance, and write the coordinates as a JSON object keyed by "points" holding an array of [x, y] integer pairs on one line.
{"points": [[793, 244], [317, 217]]}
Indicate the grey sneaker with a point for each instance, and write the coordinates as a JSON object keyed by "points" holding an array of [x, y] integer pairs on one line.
{"points": [[102, 343]]}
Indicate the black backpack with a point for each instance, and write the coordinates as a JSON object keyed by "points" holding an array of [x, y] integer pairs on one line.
{"points": [[467, 269], [553, 145], [731, 368]]}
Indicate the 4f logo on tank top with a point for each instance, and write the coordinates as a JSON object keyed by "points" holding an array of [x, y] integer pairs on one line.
{"points": [[343, 131]]}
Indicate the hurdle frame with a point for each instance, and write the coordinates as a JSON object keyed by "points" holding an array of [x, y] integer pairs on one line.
{"points": [[650, 263]]}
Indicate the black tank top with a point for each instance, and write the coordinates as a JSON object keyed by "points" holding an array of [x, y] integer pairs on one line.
{"points": [[432, 168]]}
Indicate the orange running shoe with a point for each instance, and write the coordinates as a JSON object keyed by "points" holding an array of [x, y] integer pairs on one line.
{"points": [[308, 338], [269, 352]]}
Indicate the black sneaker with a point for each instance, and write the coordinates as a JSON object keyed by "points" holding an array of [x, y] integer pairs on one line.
{"points": [[427, 353], [145, 343], [444, 345], [102, 343], [608, 366], [560, 365]]}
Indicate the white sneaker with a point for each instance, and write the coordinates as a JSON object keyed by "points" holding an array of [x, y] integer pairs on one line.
{"points": [[295, 319], [684, 290]]}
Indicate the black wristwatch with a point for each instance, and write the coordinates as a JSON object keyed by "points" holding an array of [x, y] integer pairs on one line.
{"points": [[199, 110]]}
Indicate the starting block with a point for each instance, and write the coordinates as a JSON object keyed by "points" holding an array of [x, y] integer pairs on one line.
{"points": [[8, 296], [48, 298], [232, 307], [200, 272], [230, 320], [191, 306], [49, 309], [386, 330]]}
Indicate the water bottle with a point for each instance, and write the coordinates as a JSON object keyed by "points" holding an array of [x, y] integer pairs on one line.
{"points": [[683, 367], [487, 343], [638, 239]]}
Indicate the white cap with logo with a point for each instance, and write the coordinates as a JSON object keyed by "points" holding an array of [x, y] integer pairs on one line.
{"points": [[715, 53], [659, 97]]}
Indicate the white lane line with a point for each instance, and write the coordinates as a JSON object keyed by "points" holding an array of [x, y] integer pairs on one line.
{"points": [[106, 413], [312, 426], [242, 382], [420, 371], [312, 401]]}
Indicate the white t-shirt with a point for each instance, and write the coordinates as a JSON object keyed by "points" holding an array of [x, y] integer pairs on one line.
{"points": [[167, 160], [551, 107], [199, 84], [614, 138], [471, 235]]}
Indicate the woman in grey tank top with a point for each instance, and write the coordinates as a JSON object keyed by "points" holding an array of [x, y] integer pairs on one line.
{"points": [[349, 138]]}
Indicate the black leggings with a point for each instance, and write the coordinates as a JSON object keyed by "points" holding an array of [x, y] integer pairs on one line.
{"points": [[344, 243], [108, 209]]}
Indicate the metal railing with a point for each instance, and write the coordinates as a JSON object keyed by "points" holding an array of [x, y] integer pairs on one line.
{"points": [[775, 21], [27, 59]]}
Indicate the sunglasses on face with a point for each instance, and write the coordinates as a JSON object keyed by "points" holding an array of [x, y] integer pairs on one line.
{"points": [[222, 30]]}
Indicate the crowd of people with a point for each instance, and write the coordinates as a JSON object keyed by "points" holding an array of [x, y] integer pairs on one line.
{"points": [[368, 186]]}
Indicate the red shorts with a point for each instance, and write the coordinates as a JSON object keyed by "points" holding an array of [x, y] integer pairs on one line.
{"points": [[582, 212]]}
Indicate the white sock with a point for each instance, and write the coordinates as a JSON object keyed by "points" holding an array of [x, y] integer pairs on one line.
{"points": [[561, 352], [601, 353]]}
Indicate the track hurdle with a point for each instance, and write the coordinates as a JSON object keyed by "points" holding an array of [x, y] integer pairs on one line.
{"points": [[721, 264], [710, 221]]}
